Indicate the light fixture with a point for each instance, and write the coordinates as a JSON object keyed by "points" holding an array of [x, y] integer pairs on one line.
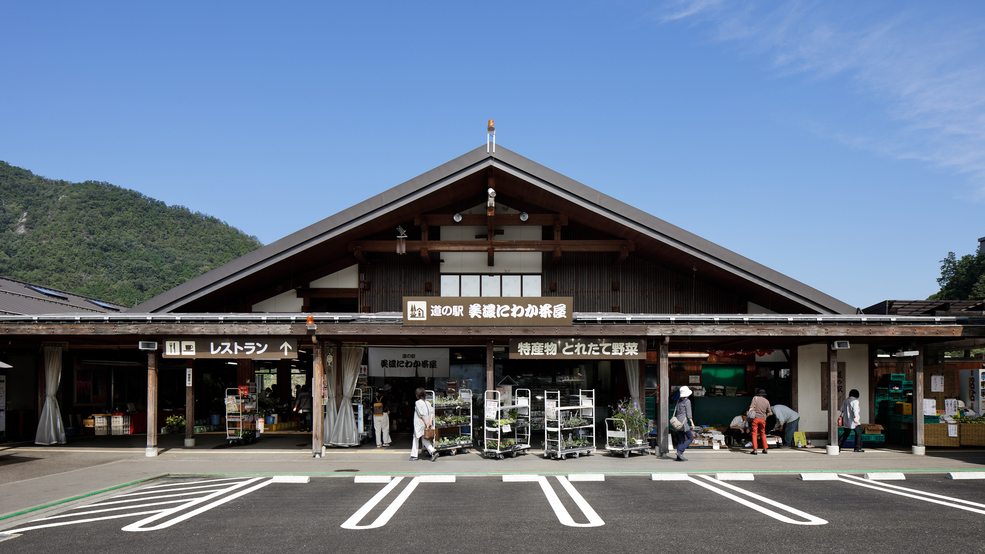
{"points": [[310, 322], [401, 233], [492, 193], [457, 217], [524, 216]]}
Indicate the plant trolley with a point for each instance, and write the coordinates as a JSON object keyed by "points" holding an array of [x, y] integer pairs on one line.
{"points": [[506, 424], [620, 441], [241, 414], [569, 430], [452, 421]]}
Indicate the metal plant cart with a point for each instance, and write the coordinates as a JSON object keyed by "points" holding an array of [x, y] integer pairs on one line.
{"points": [[452, 421], [569, 430], [241, 414], [618, 439], [506, 427]]}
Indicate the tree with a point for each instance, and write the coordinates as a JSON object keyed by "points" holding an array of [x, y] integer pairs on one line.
{"points": [[962, 279]]}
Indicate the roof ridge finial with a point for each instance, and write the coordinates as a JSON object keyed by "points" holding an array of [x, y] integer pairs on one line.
{"points": [[491, 136]]}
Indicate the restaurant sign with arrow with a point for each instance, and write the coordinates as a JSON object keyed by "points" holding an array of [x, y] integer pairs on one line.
{"points": [[232, 348]]}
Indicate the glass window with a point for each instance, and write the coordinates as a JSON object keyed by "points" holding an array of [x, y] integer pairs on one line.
{"points": [[490, 285], [449, 285], [470, 285], [531, 285], [511, 286]]}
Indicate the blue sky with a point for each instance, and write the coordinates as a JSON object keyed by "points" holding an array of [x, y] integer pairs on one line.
{"points": [[840, 143]]}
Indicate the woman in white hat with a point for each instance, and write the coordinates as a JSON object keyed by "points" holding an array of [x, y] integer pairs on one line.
{"points": [[683, 413]]}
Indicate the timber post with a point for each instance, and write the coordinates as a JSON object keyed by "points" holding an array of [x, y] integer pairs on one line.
{"points": [[190, 403], [317, 406], [833, 430], [663, 400], [151, 450]]}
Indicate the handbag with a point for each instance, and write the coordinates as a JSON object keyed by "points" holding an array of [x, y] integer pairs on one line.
{"points": [[676, 423], [752, 413], [429, 433]]}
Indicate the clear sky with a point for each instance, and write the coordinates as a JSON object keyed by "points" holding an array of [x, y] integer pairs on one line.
{"points": [[840, 143]]}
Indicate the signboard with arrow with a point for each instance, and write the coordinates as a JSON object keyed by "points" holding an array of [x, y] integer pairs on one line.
{"points": [[232, 348]]}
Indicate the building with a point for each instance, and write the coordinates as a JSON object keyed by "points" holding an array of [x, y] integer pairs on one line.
{"points": [[493, 266]]}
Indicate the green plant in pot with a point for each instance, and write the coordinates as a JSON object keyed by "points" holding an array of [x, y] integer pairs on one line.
{"points": [[175, 423]]}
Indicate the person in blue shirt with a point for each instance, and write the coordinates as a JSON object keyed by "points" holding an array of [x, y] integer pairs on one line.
{"points": [[787, 421]]}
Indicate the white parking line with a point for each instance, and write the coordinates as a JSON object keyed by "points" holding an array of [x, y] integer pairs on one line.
{"points": [[808, 518], [918, 495], [561, 512], [353, 522]]}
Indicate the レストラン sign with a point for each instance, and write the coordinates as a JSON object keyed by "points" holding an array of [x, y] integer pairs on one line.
{"points": [[472, 311], [578, 349], [231, 348]]}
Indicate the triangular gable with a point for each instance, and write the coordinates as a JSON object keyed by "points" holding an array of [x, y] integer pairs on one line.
{"points": [[301, 256]]}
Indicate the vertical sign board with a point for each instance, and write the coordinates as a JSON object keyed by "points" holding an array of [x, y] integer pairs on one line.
{"points": [[188, 376], [3, 404]]}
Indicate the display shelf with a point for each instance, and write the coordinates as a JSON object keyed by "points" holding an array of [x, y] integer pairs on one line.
{"points": [[452, 421], [241, 414], [506, 427], [569, 430], [618, 441]]}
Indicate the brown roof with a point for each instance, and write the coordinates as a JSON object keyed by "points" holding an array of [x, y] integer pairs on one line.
{"points": [[20, 298]]}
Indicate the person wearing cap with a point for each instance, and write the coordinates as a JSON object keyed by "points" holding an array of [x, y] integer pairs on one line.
{"points": [[683, 413], [760, 410]]}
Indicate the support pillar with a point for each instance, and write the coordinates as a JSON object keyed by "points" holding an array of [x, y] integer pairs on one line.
{"points": [[190, 403], [490, 367], [317, 406], [151, 450], [663, 400], [918, 446], [833, 430]]}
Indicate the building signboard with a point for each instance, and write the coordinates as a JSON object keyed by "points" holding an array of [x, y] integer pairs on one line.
{"points": [[476, 311], [577, 349], [232, 348]]}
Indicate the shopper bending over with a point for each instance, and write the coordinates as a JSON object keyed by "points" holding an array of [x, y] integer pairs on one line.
{"points": [[761, 408], [787, 421]]}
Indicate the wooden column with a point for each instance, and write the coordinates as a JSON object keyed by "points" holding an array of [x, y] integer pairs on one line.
{"points": [[490, 367], [833, 406], [151, 450], [317, 412], [918, 399], [190, 403], [663, 400]]}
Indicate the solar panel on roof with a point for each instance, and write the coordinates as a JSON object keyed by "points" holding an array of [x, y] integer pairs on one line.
{"points": [[43, 290], [103, 304]]}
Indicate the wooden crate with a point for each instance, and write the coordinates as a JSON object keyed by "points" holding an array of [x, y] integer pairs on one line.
{"points": [[935, 434], [971, 434]]}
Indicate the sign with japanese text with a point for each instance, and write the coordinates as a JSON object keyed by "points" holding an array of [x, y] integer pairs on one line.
{"points": [[408, 362], [578, 349], [473, 311], [231, 348]]}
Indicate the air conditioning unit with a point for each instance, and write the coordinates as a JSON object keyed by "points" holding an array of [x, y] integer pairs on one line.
{"points": [[147, 345], [840, 345]]}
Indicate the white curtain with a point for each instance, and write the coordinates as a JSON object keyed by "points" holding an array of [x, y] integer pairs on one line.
{"points": [[329, 406], [50, 428], [633, 381], [344, 432]]}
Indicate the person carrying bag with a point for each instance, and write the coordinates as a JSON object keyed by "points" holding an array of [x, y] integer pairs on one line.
{"points": [[423, 423], [682, 416]]}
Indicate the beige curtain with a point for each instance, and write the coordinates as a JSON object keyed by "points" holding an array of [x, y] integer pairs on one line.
{"points": [[344, 432], [50, 428]]}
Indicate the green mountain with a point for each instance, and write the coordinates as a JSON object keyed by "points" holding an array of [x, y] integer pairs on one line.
{"points": [[104, 241]]}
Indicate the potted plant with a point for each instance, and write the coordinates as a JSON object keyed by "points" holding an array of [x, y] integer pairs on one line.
{"points": [[175, 423]]}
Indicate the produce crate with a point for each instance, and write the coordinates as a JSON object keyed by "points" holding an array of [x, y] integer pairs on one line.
{"points": [[935, 434], [897, 376], [866, 439], [971, 434]]}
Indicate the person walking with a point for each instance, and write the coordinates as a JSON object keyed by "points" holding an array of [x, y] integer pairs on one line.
{"points": [[787, 421], [423, 419], [381, 418], [683, 413], [850, 420], [760, 410], [302, 405]]}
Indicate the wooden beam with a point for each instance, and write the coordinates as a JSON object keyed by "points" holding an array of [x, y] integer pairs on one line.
{"points": [[498, 245], [499, 220]]}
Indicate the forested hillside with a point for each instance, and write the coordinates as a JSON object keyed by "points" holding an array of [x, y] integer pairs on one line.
{"points": [[103, 241]]}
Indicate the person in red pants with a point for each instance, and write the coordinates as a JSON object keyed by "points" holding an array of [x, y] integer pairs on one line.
{"points": [[760, 409]]}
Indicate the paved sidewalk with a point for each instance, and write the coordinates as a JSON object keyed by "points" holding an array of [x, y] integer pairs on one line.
{"points": [[36, 476]]}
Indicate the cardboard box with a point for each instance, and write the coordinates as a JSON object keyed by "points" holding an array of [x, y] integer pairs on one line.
{"points": [[872, 429], [904, 408]]}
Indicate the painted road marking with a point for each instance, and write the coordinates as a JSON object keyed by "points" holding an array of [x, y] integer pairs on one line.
{"points": [[151, 501], [918, 495], [714, 485], [561, 512], [382, 519]]}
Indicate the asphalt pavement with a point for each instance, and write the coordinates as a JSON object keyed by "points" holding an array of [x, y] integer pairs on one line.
{"points": [[34, 477]]}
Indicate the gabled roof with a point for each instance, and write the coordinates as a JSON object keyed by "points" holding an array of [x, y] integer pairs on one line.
{"points": [[20, 298], [927, 307], [461, 183]]}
